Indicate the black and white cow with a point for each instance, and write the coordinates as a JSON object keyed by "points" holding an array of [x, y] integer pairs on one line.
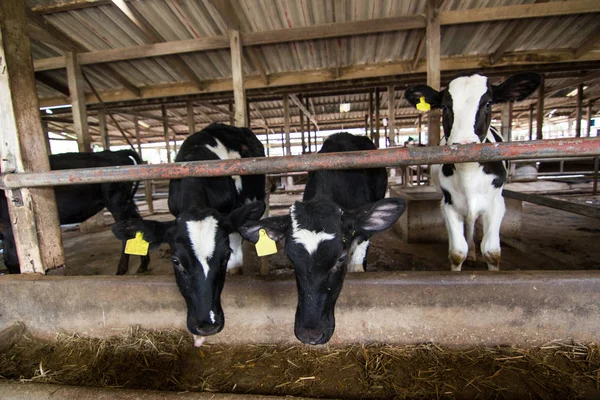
{"points": [[77, 203], [472, 190], [209, 211], [328, 233]]}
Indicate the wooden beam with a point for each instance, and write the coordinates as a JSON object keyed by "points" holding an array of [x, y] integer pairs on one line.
{"points": [[33, 212], [419, 51], [286, 124], [138, 135], [213, 107], [433, 68], [52, 83], [237, 73], [41, 35], [153, 36], [165, 119], [506, 120], [516, 59], [303, 109], [579, 110], [572, 83], [76, 84], [104, 137], [588, 44], [540, 111], [190, 118], [516, 29], [68, 6]]}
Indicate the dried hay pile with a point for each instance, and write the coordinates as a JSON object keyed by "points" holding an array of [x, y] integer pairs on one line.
{"points": [[168, 361]]}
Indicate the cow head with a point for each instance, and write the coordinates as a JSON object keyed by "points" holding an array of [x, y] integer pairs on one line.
{"points": [[319, 240], [467, 103], [200, 250]]}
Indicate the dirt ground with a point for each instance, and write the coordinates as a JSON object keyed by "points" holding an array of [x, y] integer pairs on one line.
{"points": [[550, 240]]}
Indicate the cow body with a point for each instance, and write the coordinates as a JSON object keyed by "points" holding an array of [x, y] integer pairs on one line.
{"points": [[328, 234], [472, 190], [77, 203], [203, 238]]}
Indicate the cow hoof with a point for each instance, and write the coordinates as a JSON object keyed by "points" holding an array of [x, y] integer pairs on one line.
{"points": [[456, 260], [493, 260], [493, 267], [235, 271], [472, 255], [142, 270], [455, 268]]}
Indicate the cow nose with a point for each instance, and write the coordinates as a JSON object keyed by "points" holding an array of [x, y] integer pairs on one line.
{"points": [[207, 329], [311, 336]]}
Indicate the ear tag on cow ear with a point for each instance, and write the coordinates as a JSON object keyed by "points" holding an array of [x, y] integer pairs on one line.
{"points": [[423, 105], [137, 246], [265, 245]]}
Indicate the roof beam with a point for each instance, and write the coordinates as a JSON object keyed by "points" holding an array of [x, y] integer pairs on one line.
{"points": [[52, 83], [512, 60], [572, 83], [588, 44], [303, 109], [333, 30], [153, 36]]}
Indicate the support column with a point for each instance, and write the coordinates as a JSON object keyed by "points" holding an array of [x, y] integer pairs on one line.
{"points": [[420, 126], [231, 113], [531, 121], [540, 111], [104, 138], [76, 84], [175, 141], [307, 104], [301, 114], [286, 124], [190, 118], [506, 120], [370, 120], [46, 137], [391, 113], [433, 68], [239, 93], [165, 120], [33, 212], [579, 110], [138, 137], [268, 146], [377, 116], [589, 118]]}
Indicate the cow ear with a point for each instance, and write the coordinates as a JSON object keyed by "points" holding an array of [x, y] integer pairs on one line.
{"points": [[154, 231], [276, 227], [413, 95], [516, 88], [249, 212], [379, 216]]}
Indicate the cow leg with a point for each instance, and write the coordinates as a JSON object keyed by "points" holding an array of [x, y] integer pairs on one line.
{"points": [[236, 259], [123, 262], [470, 228], [144, 262], [358, 256], [490, 245], [458, 247]]}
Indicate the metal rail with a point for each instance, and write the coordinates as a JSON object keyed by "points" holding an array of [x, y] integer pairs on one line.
{"points": [[581, 209], [576, 147]]}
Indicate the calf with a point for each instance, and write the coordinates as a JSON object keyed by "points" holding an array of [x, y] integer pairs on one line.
{"points": [[472, 190], [328, 233], [77, 203], [203, 238]]}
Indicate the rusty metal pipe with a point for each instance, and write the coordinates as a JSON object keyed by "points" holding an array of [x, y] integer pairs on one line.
{"points": [[312, 162]]}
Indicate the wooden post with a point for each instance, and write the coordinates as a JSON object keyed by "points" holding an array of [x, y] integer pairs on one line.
{"points": [[237, 73], [316, 144], [420, 128], [231, 114], [46, 137], [301, 114], [589, 118], [377, 116], [307, 104], [433, 67], [138, 137], [286, 124], [104, 138], [268, 146], [248, 115], [174, 142], [391, 113], [531, 121], [579, 110], [282, 144], [76, 84], [371, 125], [165, 120], [190, 118], [540, 111], [33, 212], [367, 124], [506, 120]]}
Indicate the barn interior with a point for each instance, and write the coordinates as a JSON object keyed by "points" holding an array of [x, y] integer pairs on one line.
{"points": [[93, 75]]}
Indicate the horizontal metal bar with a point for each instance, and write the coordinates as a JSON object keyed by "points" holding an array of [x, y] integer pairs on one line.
{"points": [[581, 209], [312, 162]]}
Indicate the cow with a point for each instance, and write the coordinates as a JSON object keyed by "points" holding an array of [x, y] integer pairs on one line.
{"points": [[472, 190], [328, 232], [77, 203], [208, 212]]}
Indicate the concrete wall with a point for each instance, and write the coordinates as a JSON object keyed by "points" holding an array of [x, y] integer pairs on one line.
{"points": [[454, 309]]}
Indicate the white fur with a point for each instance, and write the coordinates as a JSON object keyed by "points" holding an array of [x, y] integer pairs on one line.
{"points": [[466, 93], [237, 256], [211, 314], [358, 252], [309, 239], [202, 237], [225, 154]]}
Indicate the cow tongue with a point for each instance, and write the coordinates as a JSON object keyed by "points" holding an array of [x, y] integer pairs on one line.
{"points": [[198, 340]]}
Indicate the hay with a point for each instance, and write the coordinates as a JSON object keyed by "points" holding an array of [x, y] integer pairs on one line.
{"points": [[168, 361]]}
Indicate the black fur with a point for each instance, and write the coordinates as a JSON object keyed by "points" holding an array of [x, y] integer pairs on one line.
{"points": [[447, 196]]}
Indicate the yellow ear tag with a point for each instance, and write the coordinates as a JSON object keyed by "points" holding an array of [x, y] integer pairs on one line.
{"points": [[423, 105], [137, 246], [265, 245]]}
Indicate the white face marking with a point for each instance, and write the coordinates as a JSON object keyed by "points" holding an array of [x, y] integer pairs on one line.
{"points": [[237, 256], [309, 239], [466, 93], [357, 253], [202, 236], [225, 154], [211, 314]]}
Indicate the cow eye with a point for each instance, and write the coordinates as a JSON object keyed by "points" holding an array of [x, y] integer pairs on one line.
{"points": [[176, 262], [488, 105]]}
